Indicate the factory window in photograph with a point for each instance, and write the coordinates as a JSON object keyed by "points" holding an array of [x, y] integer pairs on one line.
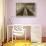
{"points": [[25, 9]]}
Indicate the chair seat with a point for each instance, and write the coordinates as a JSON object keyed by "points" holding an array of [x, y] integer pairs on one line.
{"points": [[18, 33]]}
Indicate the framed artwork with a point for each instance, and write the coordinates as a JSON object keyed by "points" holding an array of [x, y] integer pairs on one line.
{"points": [[25, 9]]}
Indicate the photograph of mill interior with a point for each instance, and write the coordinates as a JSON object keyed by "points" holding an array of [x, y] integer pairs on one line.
{"points": [[22, 22]]}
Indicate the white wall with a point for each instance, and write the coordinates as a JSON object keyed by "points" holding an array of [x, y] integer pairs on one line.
{"points": [[38, 19]]}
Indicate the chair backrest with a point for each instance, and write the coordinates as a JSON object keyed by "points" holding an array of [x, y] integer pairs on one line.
{"points": [[18, 30]]}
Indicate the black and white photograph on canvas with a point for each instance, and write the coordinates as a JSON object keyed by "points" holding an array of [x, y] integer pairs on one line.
{"points": [[25, 9]]}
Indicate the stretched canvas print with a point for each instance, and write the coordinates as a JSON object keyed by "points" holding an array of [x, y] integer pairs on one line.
{"points": [[25, 9]]}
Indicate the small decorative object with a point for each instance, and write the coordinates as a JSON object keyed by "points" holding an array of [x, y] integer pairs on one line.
{"points": [[25, 9]]}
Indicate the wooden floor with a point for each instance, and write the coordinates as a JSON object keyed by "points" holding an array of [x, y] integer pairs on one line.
{"points": [[18, 43], [23, 43]]}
